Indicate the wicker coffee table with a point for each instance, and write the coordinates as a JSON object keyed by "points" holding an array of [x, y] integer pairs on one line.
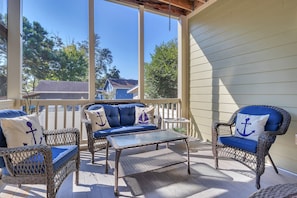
{"points": [[145, 161]]}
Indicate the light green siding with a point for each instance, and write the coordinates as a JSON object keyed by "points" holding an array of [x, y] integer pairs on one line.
{"points": [[241, 53]]}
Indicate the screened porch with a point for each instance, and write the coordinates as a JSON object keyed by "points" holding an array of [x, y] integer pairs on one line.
{"points": [[230, 54]]}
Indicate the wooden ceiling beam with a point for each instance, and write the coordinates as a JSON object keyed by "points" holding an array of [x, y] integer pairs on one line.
{"points": [[157, 6], [164, 8], [202, 1], [199, 3], [183, 4], [170, 7]]}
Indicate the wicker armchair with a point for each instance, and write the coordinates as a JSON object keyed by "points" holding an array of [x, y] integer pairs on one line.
{"points": [[46, 164], [249, 152]]}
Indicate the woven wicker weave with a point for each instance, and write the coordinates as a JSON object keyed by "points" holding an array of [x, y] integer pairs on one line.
{"points": [[22, 171], [277, 191], [255, 161]]}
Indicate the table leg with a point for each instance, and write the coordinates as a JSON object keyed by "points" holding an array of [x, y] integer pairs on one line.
{"points": [[116, 173], [106, 158], [188, 155]]}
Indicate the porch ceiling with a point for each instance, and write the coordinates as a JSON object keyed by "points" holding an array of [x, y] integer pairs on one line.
{"points": [[169, 7]]}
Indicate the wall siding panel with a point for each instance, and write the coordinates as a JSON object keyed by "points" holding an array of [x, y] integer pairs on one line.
{"points": [[243, 53]]}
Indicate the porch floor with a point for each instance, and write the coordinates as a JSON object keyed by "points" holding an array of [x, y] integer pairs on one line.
{"points": [[232, 179]]}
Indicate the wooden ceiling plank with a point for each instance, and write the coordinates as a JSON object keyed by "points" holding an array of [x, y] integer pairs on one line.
{"points": [[155, 5], [202, 1], [183, 4], [177, 8]]}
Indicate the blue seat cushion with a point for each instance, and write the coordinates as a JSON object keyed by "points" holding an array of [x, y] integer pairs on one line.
{"points": [[123, 129], [127, 113], [9, 113], [111, 112], [60, 156], [275, 118], [237, 142]]}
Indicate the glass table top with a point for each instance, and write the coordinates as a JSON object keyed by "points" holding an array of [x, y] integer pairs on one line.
{"points": [[144, 138]]}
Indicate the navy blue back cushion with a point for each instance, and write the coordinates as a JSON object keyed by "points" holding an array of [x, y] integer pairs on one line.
{"points": [[7, 114], [95, 107], [127, 113], [275, 118], [111, 112]]}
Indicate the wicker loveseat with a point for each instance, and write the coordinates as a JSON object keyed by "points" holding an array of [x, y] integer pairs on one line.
{"points": [[121, 118], [48, 163], [250, 152]]}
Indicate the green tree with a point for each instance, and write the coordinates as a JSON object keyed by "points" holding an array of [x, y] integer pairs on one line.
{"points": [[71, 64], [3, 66], [113, 73], [38, 51], [3, 55], [103, 62], [46, 57], [161, 72]]}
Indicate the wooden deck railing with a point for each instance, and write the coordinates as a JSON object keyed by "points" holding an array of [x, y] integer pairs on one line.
{"points": [[66, 113]]}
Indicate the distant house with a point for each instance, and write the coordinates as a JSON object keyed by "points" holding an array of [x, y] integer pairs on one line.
{"points": [[99, 94], [118, 88], [47, 89]]}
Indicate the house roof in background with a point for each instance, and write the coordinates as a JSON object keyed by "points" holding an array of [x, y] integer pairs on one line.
{"points": [[122, 83], [133, 90], [61, 86]]}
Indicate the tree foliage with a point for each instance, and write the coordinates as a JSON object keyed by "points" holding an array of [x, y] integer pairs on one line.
{"points": [[161, 72], [71, 64], [46, 57], [38, 51], [3, 56]]}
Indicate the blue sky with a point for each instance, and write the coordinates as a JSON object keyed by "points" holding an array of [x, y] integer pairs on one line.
{"points": [[116, 25]]}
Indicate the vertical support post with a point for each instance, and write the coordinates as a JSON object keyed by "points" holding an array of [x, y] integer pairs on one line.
{"points": [[183, 68], [92, 75], [141, 53], [14, 49]]}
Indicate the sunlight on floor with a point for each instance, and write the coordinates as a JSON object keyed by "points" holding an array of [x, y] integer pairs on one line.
{"points": [[229, 181], [12, 191], [212, 192]]}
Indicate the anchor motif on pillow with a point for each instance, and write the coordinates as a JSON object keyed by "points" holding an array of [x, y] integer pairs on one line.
{"points": [[143, 118], [102, 122], [244, 129], [30, 125]]}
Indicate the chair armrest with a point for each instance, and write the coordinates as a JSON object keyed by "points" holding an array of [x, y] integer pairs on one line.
{"points": [[216, 131], [66, 136], [216, 125], [267, 137], [265, 140], [88, 125], [27, 160]]}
